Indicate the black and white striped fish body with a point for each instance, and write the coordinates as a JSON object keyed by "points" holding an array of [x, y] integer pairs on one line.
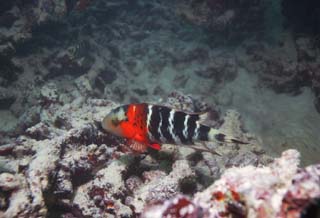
{"points": [[155, 124], [167, 125]]}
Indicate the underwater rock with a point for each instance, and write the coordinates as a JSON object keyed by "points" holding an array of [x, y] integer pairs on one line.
{"points": [[40, 131], [9, 71], [273, 69], [197, 54], [317, 98], [28, 118], [7, 98], [6, 6], [190, 104], [9, 182], [159, 187], [7, 50], [21, 17], [282, 76], [221, 69], [133, 182], [105, 77], [63, 164], [140, 92], [51, 164], [180, 206], [302, 197], [33, 181], [7, 19], [245, 17], [181, 80], [281, 72], [75, 60], [100, 197], [84, 85], [49, 94], [156, 65], [232, 155], [66, 162], [305, 49], [280, 189]]}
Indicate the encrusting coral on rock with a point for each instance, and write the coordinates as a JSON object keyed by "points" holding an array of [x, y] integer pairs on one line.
{"points": [[235, 19], [285, 73], [71, 164], [66, 161], [66, 64], [280, 189]]}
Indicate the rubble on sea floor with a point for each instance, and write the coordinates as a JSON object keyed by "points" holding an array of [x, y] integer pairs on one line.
{"points": [[66, 64], [281, 189], [70, 164]]}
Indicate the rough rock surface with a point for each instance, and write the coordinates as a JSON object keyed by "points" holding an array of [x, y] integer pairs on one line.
{"points": [[219, 16], [282, 72], [280, 189], [66, 161], [161, 186], [60, 61]]}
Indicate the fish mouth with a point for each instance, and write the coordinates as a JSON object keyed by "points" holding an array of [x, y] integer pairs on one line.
{"points": [[106, 123], [111, 124]]}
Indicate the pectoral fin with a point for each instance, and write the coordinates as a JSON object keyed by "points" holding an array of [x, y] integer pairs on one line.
{"points": [[155, 146], [202, 147], [137, 146]]}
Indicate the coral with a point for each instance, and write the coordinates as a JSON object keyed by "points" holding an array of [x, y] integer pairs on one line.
{"points": [[101, 195], [72, 61], [65, 161], [285, 73], [190, 103], [316, 89], [221, 69], [6, 98], [197, 54], [231, 19], [179, 206], [305, 49], [280, 189], [60, 75], [105, 77], [158, 186], [20, 17], [49, 159]]}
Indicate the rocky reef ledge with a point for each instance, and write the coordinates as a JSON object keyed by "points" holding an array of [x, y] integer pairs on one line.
{"points": [[64, 165], [280, 189]]}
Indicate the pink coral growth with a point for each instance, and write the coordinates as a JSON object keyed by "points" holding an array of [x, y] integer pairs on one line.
{"points": [[278, 190]]}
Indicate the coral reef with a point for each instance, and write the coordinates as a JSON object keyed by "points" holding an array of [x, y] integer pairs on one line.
{"points": [[285, 73], [234, 20], [64, 161], [280, 189], [65, 64]]}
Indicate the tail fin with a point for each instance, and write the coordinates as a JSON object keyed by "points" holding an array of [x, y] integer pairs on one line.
{"points": [[216, 135]]}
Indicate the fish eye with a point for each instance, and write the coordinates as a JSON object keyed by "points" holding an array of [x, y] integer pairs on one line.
{"points": [[115, 121]]}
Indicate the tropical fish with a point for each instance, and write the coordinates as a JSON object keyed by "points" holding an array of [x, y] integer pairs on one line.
{"points": [[148, 125]]}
